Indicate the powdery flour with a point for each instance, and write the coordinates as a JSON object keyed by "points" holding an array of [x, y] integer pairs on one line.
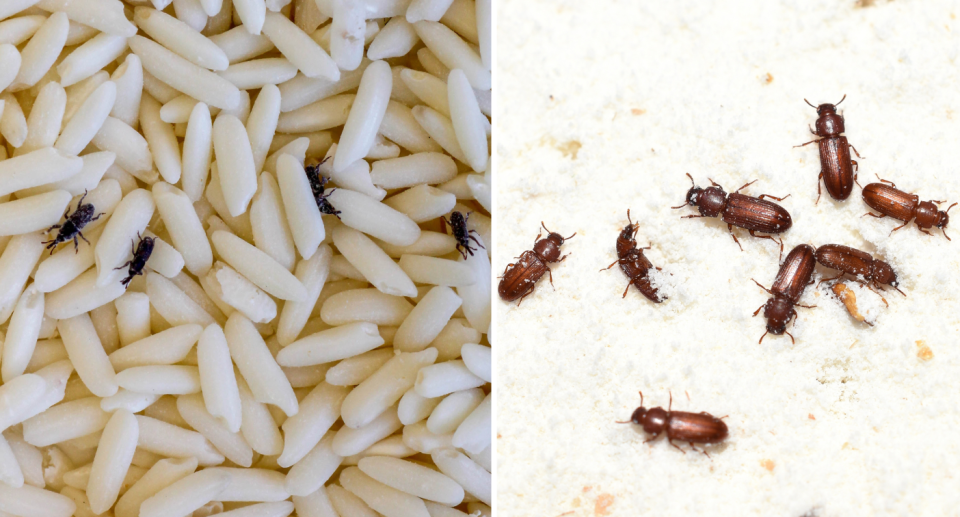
{"points": [[603, 107]]}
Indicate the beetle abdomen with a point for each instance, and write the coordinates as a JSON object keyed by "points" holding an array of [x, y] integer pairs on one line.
{"points": [[695, 427], [846, 259], [795, 273], [756, 214], [890, 201], [520, 278], [836, 167]]}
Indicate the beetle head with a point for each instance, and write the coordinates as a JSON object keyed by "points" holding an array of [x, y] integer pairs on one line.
{"points": [[777, 311], [942, 218]]}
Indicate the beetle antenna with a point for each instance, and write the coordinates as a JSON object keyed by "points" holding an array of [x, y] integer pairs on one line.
{"points": [[545, 227], [641, 399], [628, 217], [945, 211], [627, 422], [841, 100], [808, 104], [570, 237], [945, 234]]}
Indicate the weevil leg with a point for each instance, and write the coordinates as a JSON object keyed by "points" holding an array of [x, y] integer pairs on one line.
{"points": [[476, 241], [735, 239], [84, 238], [774, 197], [762, 287], [125, 265], [855, 151], [76, 245], [745, 186]]}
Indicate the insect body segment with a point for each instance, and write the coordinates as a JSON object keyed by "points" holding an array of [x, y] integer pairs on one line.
{"points": [[633, 263], [520, 278], [317, 182], [141, 254], [458, 224], [837, 169], [73, 226], [794, 276]]}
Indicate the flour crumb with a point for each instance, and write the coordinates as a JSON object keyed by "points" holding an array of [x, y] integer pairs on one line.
{"points": [[768, 464], [602, 507], [923, 351]]}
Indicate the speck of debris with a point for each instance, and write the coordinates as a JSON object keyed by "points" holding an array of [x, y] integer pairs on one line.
{"points": [[865, 3], [569, 149], [811, 417], [767, 464], [603, 504], [637, 111], [923, 351], [768, 78], [551, 97]]}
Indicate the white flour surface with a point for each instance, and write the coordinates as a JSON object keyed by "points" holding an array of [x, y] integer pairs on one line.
{"points": [[603, 106]]}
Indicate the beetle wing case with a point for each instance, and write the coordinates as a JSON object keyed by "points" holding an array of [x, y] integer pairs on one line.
{"points": [[846, 259], [795, 273], [519, 279], [695, 427], [756, 214], [836, 167], [890, 201]]}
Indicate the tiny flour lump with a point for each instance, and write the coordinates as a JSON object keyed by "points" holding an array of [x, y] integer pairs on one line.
{"points": [[604, 107]]}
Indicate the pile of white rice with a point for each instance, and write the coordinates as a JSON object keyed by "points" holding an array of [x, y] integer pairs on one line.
{"points": [[271, 358]]}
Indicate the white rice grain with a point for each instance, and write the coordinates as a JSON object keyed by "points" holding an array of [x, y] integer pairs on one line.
{"points": [[468, 122], [173, 441], [384, 388], [35, 502], [162, 474], [197, 151], [130, 147], [302, 213], [397, 38], [299, 48], [180, 38], [117, 445], [133, 318], [44, 121], [41, 51], [238, 177], [161, 379], [166, 347], [366, 114], [454, 53], [66, 421], [413, 479], [312, 273], [382, 498], [160, 136], [86, 122], [218, 382], [413, 408], [257, 365], [91, 57], [129, 219], [186, 495], [87, 355], [464, 471], [230, 444], [400, 126], [331, 345], [258, 427], [378, 268]]}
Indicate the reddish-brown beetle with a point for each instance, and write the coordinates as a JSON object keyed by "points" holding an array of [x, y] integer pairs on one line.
{"points": [[679, 425], [633, 263], [889, 200], [858, 263], [751, 213], [519, 279], [794, 276], [836, 166]]}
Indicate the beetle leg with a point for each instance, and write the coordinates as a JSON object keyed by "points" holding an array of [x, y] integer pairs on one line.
{"points": [[762, 287], [808, 143], [812, 132], [856, 173], [774, 197], [524, 296], [654, 437], [551, 279], [793, 341], [806, 306], [735, 239], [829, 279], [758, 311], [892, 184], [768, 237], [763, 336], [681, 206], [698, 450], [901, 226], [714, 183], [691, 216], [677, 446], [611, 265], [627, 289], [855, 151], [670, 406], [563, 258], [945, 234], [745, 186], [820, 177], [871, 214]]}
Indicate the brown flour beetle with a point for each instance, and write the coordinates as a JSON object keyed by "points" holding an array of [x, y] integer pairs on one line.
{"points": [[679, 425], [794, 276], [633, 263], [751, 213], [519, 279], [893, 202], [836, 166], [858, 263]]}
